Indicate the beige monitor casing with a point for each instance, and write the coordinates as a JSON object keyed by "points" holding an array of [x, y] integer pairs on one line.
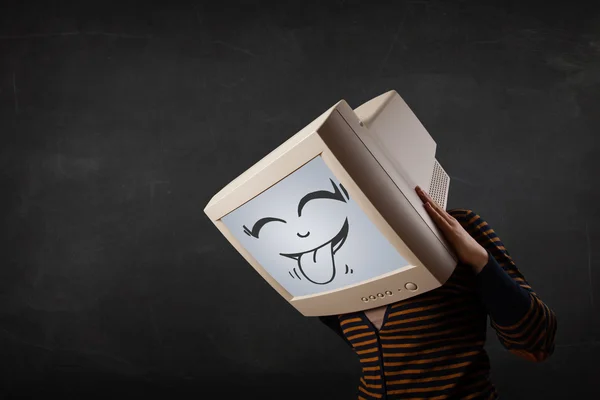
{"points": [[379, 152]]}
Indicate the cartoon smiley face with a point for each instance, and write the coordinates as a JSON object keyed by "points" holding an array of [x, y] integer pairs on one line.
{"points": [[315, 244], [310, 235]]}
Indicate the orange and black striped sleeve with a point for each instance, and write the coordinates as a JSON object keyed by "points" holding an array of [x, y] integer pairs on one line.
{"points": [[524, 324]]}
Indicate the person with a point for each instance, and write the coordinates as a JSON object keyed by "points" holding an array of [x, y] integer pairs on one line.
{"points": [[432, 345]]}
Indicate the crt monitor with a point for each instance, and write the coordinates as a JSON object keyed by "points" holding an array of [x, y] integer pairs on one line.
{"points": [[330, 218]]}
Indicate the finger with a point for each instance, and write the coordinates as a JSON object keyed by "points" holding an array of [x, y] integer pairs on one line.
{"points": [[422, 195], [436, 217], [434, 204], [425, 196], [443, 213], [439, 220]]}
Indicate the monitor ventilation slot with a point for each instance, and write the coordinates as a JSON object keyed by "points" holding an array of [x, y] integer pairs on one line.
{"points": [[439, 185]]}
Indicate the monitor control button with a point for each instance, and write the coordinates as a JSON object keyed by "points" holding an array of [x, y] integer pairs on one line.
{"points": [[411, 286], [365, 299], [379, 294], [389, 292], [372, 297]]}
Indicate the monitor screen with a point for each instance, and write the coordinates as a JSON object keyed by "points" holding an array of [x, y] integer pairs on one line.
{"points": [[310, 236]]}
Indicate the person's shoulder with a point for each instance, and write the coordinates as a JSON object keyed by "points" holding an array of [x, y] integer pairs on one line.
{"points": [[466, 217], [461, 213], [329, 319]]}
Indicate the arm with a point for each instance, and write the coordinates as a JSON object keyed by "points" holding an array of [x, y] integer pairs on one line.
{"points": [[523, 323]]}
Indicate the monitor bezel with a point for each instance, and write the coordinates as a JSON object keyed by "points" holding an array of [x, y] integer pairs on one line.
{"points": [[301, 149]]}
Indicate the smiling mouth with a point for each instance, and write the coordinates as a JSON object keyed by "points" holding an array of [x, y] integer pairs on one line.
{"points": [[318, 265]]}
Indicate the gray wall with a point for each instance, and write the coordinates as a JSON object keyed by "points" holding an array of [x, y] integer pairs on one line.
{"points": [[119, 121]]}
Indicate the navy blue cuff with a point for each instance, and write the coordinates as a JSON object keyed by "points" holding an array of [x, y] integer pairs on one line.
{"points": [[506, 302]]}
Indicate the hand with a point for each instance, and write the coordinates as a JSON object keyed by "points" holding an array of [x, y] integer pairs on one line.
{"points": [[467, 249]]}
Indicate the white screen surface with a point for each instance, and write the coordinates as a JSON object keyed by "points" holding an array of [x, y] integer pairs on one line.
{"points": [[310, 236]]}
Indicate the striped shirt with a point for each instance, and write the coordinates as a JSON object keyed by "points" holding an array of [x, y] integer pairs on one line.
{"points": [[432, 346]]}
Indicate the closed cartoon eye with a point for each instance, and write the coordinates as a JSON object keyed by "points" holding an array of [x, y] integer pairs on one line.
{"points": [[259, 225], [336, 194]]}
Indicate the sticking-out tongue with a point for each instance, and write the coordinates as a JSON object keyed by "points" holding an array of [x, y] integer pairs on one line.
{"points": [[318, 266]]}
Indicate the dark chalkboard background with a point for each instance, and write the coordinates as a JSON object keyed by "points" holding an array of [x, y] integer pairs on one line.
{"points": [[119, 121]]}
